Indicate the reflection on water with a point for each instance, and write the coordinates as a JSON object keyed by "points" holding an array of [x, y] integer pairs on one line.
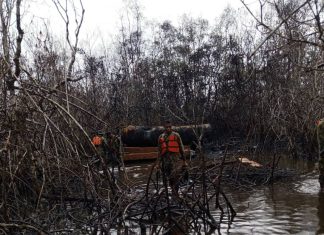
{"points": [[280, 209], [284, 208], [309, 185]]}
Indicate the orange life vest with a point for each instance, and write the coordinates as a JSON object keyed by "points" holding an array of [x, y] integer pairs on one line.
{"points": [[96, 140], [169, 144]]}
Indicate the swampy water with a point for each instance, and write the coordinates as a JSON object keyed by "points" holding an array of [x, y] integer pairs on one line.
{"points": [[286, 207]]}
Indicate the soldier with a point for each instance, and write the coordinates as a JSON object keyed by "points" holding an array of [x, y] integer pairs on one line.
{"points": [[113, 150], [100, 143], [320, 140], [170, 149]]}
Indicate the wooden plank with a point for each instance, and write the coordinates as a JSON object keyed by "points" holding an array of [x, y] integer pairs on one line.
{"points": [[249, 162], [139, 156], [140, 149], [144, 153], [147, 149]]}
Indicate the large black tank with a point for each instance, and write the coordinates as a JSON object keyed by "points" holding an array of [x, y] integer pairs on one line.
{"points": [[142, 136]]}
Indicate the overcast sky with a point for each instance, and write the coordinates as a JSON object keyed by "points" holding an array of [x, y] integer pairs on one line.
{"points": [[105, 14], [108, 11], [102, 17]]}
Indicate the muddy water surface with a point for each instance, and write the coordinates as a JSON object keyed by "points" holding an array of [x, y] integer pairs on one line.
{"points": [[283, 208]]}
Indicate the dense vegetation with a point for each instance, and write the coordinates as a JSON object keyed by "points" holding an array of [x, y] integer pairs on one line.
{"points": [[260, 80]]}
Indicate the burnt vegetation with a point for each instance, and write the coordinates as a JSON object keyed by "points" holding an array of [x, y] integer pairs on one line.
{"points": [[260, 85]]}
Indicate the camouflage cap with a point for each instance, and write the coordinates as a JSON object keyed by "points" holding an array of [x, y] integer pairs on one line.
{"points": [[100, 132]]}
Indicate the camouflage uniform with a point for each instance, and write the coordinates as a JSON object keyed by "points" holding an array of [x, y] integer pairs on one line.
{"points": [[170, 161], [113, 150], [320, 139]]}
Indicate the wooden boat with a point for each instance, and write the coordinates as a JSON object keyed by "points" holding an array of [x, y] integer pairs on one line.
{"points": [[144, 153], [142, 141]]}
